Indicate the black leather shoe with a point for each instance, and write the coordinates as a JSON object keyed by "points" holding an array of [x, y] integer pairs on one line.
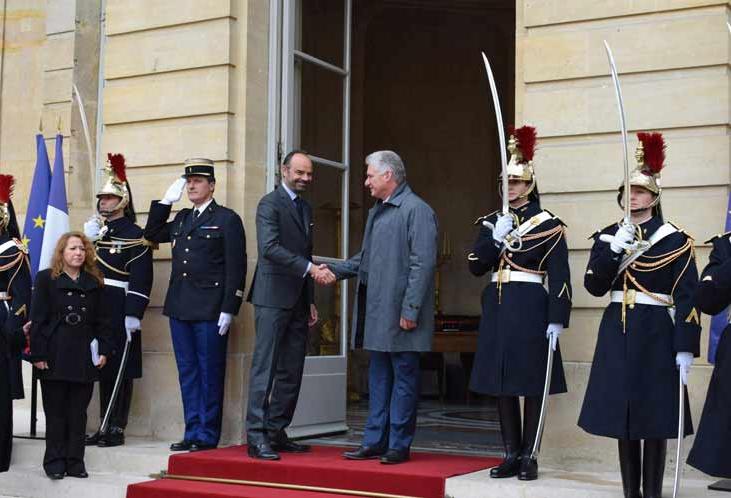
{"points": [[289, 446], [509, 467], [528, 469], [115, 437], [262, 452], [55, 476], [364, 453], [183, 445], [395, 456], [201, 446], [80, 475], [93, 439]]}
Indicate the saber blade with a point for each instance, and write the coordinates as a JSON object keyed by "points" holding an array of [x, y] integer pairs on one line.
{"points": [[500, 131], [623, 129], [544, 403], [681, 433], [113, 398]]}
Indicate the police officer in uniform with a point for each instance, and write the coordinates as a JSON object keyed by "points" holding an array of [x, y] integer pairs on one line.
{"points": [[205, 293], [649, 330], [125, 259], [15, 291], [523, 250], [712, 445]]}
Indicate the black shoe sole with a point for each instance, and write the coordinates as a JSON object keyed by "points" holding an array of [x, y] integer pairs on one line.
{"points": [[355, 457], [260, 457]]}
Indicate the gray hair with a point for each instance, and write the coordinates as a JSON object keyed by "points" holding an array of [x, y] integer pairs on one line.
{"points": [[384, 160]]}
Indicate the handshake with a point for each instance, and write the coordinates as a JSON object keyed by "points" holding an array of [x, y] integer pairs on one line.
{"points": [[322, 274]]}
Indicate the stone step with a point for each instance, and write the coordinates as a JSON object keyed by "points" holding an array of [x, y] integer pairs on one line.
{"points": [[562, 484]]}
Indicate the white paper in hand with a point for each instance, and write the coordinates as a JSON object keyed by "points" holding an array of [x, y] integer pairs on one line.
{"points": [[94, 347]]}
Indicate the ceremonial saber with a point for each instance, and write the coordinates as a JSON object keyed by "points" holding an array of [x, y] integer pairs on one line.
{"points": [[544, 403], [623, 128], [500, 132], [681, 434], [87, 135], [115, 391]]}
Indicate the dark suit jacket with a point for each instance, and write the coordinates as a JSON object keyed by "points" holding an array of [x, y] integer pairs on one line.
{"points": [[285, 249], [209, 260]]}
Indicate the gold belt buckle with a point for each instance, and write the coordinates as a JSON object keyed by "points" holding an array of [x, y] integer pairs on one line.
{"points": [[630, 297], [505, 275]]}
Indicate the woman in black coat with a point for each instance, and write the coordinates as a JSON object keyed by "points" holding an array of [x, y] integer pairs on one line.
{"points": [[67, 315]]}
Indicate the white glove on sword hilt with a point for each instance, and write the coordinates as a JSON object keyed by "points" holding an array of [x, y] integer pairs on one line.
{"points": [[684, 360], [95, 229], [622, 240]]}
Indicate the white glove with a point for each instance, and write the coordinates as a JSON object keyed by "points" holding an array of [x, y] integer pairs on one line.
{"points": [[93, 229], [224, 322], [131, 324], [622, 238], [503, 226], [552, 332], [684, 360], [174, 192]]}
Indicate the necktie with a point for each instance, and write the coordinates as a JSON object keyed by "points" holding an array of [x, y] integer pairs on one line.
{"points": [[300, 209], [196, 213]]}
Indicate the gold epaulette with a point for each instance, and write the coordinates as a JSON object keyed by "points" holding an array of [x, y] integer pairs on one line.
{"points": [[556, 217], [717, 236], [682, 230]]}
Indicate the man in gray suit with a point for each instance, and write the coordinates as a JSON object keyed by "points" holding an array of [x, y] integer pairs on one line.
{"points": [[393, 316], [282, 295]]}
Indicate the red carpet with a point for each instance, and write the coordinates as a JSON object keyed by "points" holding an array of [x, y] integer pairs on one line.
{"points": [[423, 476]]}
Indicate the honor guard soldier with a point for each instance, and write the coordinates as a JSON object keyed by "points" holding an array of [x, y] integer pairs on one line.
{"points": [[15, 292], [710, 452], [649, 329], [524, 249], [205, 293], [125, 259]]}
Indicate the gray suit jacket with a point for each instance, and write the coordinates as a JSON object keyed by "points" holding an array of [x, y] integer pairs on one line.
{"points": [[285, 248]]}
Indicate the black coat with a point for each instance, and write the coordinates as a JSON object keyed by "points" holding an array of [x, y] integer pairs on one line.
{"points": [[512, 348], [65, 346], [122, 255], [285, 250], [209, 260], [633, 385], [710, 452]]}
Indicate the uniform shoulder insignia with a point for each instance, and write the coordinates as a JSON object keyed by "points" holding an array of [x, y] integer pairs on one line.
{"points": [[555, 217], [479, 220], [717, 236], [681, 230], [593, 235], [22, 247]]}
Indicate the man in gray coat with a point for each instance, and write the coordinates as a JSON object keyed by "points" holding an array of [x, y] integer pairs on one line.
{"points": [[394, 306]]}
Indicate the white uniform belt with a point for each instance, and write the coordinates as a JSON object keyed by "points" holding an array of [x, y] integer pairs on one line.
{"points": [[117, 283], [634, 297], [508, 275]]}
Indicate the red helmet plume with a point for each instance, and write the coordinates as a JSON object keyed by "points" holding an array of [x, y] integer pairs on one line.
{"points": [[118, 166], [6, 186], [526, 137], [653, 147]]}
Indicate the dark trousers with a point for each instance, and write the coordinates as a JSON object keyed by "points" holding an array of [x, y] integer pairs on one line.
{"points": [[64, 404], [200, 354], [393, 385], [276, 370], [120, 411]]}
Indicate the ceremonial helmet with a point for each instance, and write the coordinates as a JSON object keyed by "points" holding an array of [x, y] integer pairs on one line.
{"points": [[522, 147], [650, 157], [6, 189], [116, 183]]}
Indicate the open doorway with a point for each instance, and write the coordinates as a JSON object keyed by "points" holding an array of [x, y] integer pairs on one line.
{"points": [[417, 86]]}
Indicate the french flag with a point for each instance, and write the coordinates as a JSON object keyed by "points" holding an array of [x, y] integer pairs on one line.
{"points": [[57, 214]]}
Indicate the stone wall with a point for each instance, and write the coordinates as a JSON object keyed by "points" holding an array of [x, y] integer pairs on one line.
{"points": [[673, 62]]}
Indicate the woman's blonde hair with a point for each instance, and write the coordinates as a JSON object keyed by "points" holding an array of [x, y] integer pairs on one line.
{"points": [[89, 262]]}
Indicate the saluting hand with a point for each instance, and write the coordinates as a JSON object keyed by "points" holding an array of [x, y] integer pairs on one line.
{"points": [[174, 192]]}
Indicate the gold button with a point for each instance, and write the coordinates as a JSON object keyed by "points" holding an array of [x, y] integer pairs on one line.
{"points": [[510, 254], [216, 284], [187, 250], [69, 307], [69, 293], [208, 236], [185, 274], [83, 295], [189, 237], [83, 309], [185, 262]]}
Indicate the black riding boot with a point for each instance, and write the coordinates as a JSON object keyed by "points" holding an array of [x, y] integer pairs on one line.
{"points": [[630, 467], [532, 413], [653, 467], [509, 410]]}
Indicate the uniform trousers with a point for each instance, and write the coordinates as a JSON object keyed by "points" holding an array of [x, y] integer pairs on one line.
{"points": [[200, 353]]}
